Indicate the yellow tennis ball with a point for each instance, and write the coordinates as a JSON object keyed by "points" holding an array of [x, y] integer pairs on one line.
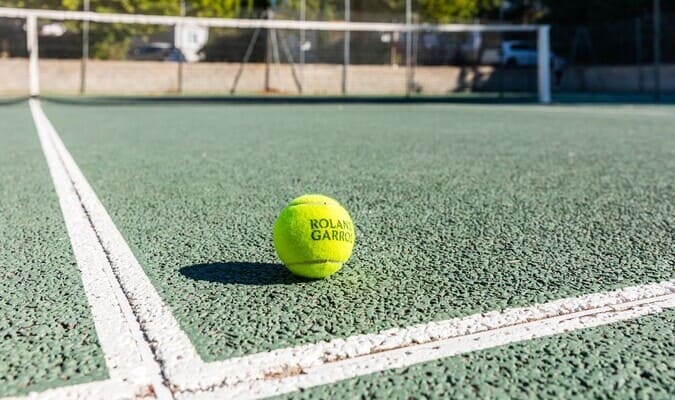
{"points": [[314, 236]]}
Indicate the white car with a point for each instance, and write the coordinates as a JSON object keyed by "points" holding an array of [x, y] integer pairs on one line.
{"points": [[517, 53]]}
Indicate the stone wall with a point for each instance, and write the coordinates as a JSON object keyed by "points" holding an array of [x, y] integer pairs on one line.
{"points": [[617, 79], [134, 77]]}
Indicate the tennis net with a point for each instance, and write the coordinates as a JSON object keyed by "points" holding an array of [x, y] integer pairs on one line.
{"points": [[47, 52]]}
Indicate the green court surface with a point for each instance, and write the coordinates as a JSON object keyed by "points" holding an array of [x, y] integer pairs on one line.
{"points": [[627, 360], [47, 336], [458, 209]]}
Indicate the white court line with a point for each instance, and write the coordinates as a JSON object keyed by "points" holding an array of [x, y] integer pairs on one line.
{"points": [[595, 110], [250, 376], [370, 352], [179, 359], [406, 356], [128, 358], [619, 111]]}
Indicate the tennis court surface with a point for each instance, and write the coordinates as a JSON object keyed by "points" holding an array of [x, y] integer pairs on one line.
{"points": [[501, 251]]}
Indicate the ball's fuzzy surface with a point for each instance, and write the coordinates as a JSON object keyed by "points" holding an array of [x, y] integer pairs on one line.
{"points": [[314, 236]]}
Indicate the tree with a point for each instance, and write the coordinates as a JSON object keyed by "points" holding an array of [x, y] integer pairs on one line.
{"points": [[446, 11], [386, 10], [112, 40], [47, 4], [582, 12]]}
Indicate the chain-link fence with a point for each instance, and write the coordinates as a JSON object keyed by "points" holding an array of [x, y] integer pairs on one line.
{"points": [[617, 56], [198, 57]]}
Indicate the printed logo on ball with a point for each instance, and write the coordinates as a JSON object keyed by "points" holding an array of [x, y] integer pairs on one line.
{"points": [[332, 229]]}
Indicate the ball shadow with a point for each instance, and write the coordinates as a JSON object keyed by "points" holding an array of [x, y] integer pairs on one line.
{"points": [[242, 273]]}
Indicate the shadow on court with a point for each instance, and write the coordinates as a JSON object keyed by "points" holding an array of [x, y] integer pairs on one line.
{"points": [[242, 273]]}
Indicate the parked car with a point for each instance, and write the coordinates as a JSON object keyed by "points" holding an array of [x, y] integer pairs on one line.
{"points": [[518, 53], [155, 52]]}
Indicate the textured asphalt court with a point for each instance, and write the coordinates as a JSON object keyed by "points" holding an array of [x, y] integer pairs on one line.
{"points": [[457, 213], [626, 360], [490, 214], [47, 336]]}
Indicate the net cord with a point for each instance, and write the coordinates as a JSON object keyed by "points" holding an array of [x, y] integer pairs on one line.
{"points": [[258, 23]]}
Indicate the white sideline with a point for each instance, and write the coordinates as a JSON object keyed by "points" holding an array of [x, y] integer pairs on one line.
{"points": [[128, 357], [269, 373], [180, 361]]}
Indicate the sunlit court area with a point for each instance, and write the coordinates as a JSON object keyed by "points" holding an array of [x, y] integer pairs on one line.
{"points": [[337, 199]]}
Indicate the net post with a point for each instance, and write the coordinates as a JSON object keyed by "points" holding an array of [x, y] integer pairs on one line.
{"points": [[345, 61], [85, 50], [408, 47], [178, 32], [32, 41], [268, 49], [543, 63], [178, 43]]}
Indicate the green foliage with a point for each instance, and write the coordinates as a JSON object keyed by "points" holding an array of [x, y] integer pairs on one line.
{"points": [[580, 12], [223, 8], [111, 41], [428, 10], [316, 9], [47, 4], [456, 10]]}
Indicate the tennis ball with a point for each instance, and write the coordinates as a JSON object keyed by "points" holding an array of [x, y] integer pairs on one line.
{"points": [[314, 236]]}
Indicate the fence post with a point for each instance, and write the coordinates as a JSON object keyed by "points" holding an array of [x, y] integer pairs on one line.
{"points": [[408, 47], [638, 52], [178, 43], [543, 63], [268, 50], [179, 32], [85, 51], [657, 50], [345, 62]]}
